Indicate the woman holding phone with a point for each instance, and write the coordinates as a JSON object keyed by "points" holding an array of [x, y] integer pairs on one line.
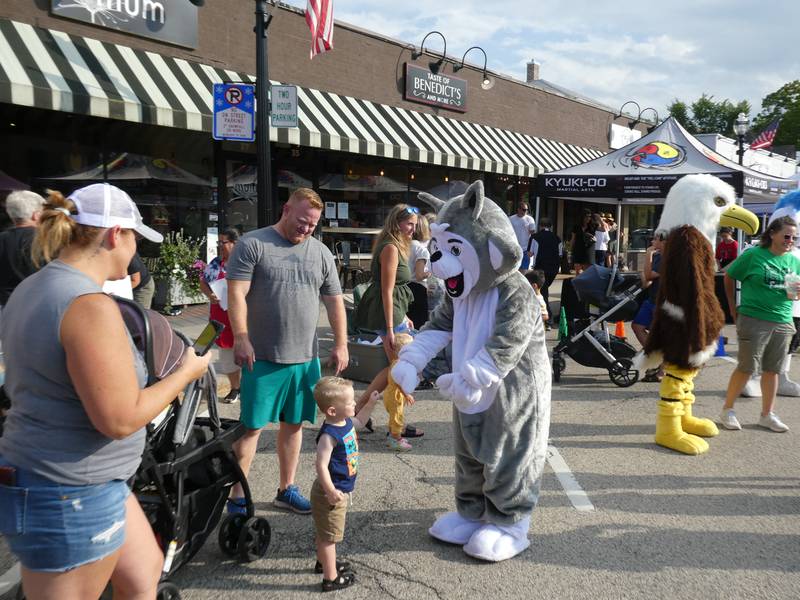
{"points": [[75, 431]]}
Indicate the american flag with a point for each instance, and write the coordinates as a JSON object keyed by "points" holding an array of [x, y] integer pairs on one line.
{"points": [[319, 16], [766, 137]]}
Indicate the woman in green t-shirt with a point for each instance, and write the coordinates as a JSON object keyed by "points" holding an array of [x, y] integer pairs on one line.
{"points": [[764, 324], [383, 307]]}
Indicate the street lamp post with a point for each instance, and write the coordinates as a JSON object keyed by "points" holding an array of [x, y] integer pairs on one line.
{"points": [[266, 211], [740, 128]]}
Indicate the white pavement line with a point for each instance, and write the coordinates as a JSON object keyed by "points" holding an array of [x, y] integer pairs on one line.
{"points": [[10, 579], [203, 414], [567, 480], [730, 359]]}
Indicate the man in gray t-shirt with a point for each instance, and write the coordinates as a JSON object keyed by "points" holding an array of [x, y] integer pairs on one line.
{"points": [[276, 277]]}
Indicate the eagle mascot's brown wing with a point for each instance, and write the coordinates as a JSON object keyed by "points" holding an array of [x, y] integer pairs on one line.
{"points": [[688, 317]]}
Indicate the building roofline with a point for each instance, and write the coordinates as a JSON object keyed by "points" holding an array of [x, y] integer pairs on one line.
{"points": [[548, 87]]}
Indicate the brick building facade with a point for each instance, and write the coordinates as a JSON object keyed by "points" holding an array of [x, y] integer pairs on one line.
{"points": [[360, 143]]}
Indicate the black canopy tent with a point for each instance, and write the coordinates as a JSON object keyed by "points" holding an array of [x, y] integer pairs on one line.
{"points": [[644, 171]]}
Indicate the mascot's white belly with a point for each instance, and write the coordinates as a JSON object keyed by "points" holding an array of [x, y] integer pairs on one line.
{"points": [[473, 323]]}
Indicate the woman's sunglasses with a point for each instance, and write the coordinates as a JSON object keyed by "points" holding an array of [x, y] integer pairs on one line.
{"points": [[412, 210]]}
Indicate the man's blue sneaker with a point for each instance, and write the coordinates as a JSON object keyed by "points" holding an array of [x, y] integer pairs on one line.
{"points": [[237, 506], [292, 499]]}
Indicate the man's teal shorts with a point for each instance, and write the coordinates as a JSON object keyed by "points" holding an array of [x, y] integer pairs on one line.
{"points": [[272, 392]]}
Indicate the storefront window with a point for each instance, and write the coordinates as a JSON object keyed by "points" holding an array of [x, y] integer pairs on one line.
{"points": [[642, 221], [435, 181], [166, 171]]}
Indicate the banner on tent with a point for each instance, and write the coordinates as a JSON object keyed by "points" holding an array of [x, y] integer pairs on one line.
{"points": [[618, 186]]}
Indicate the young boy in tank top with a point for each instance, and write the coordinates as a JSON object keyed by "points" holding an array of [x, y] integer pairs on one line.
{"points": [[337, 467]]}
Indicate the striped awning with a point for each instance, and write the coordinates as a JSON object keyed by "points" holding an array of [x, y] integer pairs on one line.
{"points": [[61, 71]]}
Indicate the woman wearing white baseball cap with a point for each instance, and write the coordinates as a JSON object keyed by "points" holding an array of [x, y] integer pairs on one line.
{"points": [[75, 431]]}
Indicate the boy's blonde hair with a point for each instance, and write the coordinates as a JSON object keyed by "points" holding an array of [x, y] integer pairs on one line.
{"points": [[329, 390]]}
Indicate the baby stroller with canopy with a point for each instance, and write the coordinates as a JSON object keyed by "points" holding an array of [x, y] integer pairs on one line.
{"points": [[188, 465], [588, 340]]}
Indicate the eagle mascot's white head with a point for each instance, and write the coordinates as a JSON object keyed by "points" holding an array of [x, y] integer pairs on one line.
{"points": [[688, 317]]}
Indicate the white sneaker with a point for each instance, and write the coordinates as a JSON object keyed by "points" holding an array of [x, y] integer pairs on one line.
{"points": [[772, 422], [729, 420]]}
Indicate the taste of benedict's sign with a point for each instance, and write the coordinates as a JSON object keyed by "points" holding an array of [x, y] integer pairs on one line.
{"points": [[436, 89]]}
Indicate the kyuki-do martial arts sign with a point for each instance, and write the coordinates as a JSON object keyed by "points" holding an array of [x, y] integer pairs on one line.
{"points": [[500, 384]]}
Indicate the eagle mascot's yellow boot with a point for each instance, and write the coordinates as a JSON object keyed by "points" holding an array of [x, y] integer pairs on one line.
{"points": [[676, 428], [688, 318]]}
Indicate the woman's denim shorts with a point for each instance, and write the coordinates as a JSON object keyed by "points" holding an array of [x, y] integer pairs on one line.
{"points": [[54, 527]]}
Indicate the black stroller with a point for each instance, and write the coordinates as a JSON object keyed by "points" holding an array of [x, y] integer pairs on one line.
{"points": [[588, 341], [188, 465]]}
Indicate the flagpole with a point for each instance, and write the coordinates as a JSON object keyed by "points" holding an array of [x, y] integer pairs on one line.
{"points": [[267, 213]]}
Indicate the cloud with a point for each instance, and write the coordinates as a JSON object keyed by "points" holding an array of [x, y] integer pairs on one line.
{"points": [[607, 50]]}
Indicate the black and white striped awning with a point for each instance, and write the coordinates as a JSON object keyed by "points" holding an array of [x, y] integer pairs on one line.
{"points": [[60, 71]]}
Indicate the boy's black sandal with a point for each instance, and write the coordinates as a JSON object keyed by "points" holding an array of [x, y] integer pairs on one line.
{"points": [[342, 566], [342, 581]]}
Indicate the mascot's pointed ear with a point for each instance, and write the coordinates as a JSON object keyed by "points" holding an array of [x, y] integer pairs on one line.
{"points": [[473, 198], [431, 201], [504, 252]]}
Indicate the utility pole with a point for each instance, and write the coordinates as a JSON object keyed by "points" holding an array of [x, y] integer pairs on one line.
{"points": [[266, 210]]}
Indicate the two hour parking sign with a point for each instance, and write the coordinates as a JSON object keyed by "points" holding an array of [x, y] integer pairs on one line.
{"points": [[234, 112]]}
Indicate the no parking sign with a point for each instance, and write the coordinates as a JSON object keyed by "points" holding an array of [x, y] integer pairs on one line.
{"points": [[234, 112]]}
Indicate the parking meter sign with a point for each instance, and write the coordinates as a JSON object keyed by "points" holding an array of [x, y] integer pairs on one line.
{"points": [[234, 112]]}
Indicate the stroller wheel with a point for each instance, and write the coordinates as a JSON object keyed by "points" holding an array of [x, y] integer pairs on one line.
{"points": [[168, 591], [229, 532], [625, 376], [254, 539], [559, 364]]}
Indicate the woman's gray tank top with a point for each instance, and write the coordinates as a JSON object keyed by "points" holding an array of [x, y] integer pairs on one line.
{"points": [[47, 429]]}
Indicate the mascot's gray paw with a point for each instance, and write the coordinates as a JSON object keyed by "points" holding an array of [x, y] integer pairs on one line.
{"points": [[495, 543], [453, 528]]}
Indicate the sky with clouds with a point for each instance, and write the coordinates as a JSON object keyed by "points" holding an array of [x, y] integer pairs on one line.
{"points": [[611, 51]]}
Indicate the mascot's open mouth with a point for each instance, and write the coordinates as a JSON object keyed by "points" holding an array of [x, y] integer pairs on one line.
{"points": [[455, 285]]}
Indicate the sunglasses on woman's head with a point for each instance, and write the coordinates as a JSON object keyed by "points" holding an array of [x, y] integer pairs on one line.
{"points": [[412, 210], [791, 238]]}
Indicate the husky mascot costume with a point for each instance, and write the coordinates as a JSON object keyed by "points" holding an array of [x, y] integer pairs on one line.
{"points": [[787, 206], [688, 318], [500, 384]]}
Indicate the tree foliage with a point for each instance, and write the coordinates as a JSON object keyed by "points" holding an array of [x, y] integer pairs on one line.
{"points": [[706, 115], [785, 103]]}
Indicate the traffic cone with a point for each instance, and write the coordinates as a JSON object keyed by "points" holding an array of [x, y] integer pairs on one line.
{"points": [[619, 330], [563, 328], [721, 347]]}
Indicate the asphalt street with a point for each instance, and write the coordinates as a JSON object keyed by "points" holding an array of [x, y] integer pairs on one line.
{"points": [[638, 521]]}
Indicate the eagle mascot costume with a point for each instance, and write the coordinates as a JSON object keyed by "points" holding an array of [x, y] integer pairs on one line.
{"points": [[688, 319], [500, 384]]}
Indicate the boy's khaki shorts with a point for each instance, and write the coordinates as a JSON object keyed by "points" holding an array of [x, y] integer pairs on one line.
{"points": [[328, 520]]}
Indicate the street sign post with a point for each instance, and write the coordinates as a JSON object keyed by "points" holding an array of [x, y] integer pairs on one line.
{"points": [[234, 112], [284, 106]]}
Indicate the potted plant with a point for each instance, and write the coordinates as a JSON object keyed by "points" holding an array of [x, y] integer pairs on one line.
{"points": [[177, 271]]}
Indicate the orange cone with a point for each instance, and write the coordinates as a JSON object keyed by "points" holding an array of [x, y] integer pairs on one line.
{"points": [[619, 330]]}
